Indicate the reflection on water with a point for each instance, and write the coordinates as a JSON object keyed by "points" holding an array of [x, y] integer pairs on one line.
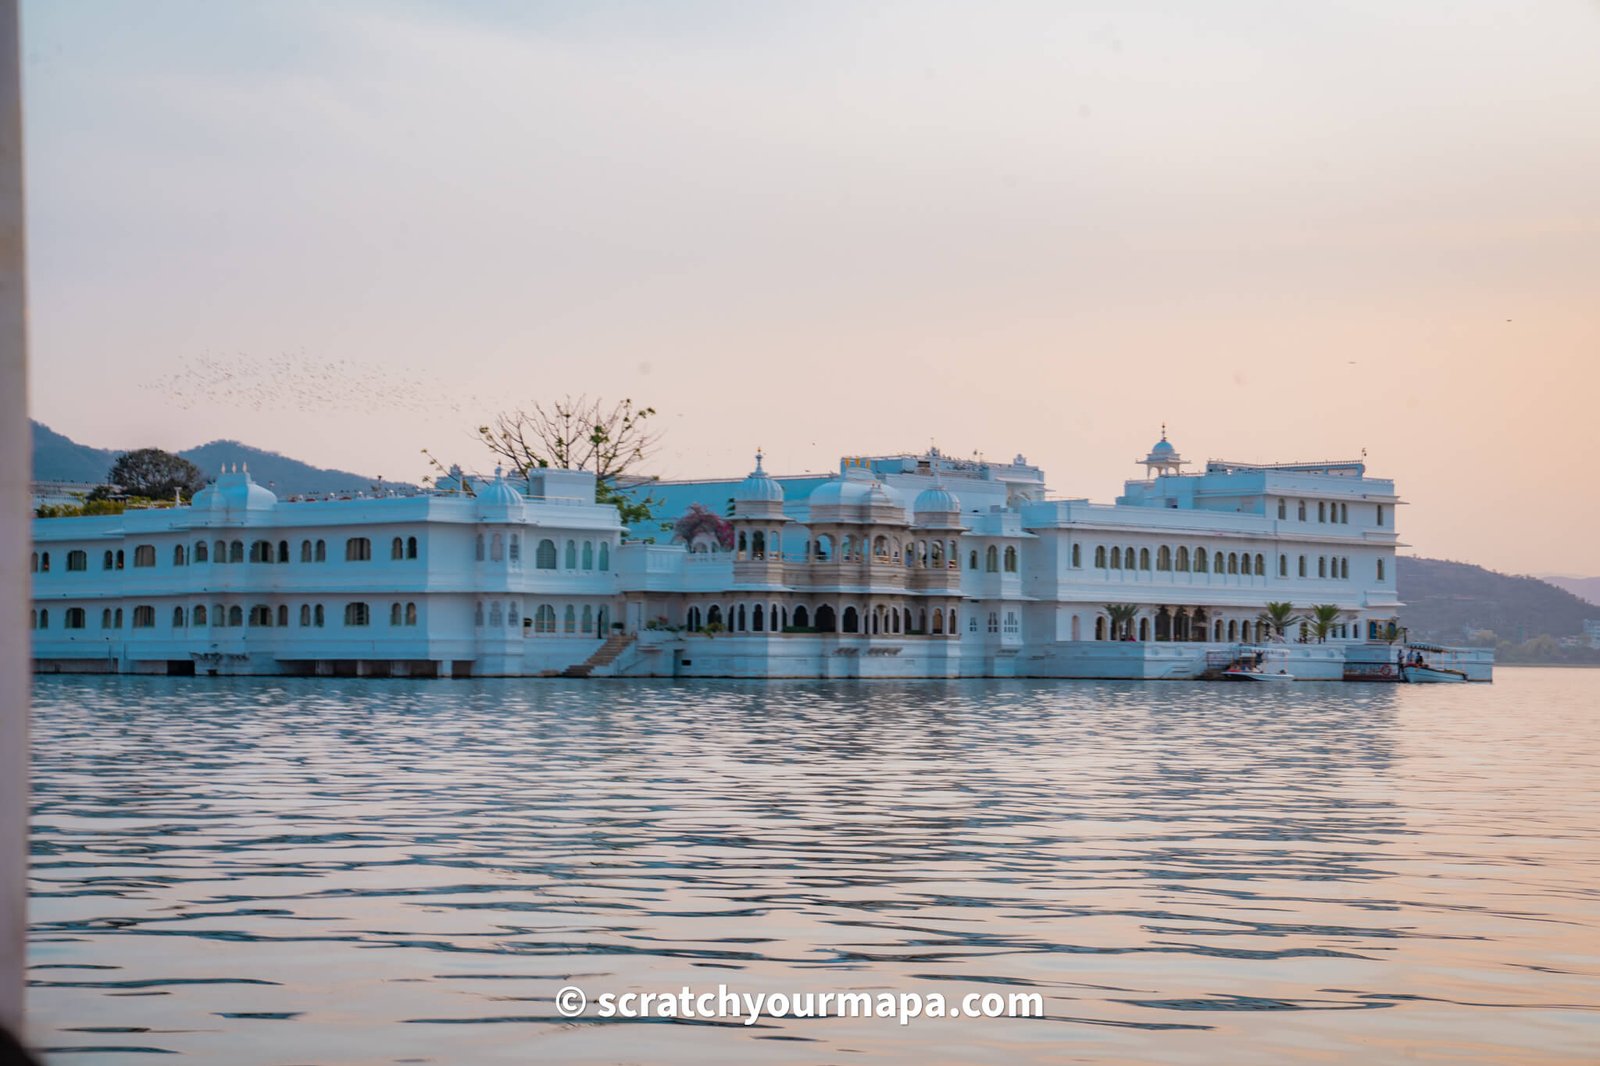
{"points": [[292, 871]]}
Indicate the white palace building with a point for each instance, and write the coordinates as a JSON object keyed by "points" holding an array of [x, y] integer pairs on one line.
{"points": [[897, 566]]}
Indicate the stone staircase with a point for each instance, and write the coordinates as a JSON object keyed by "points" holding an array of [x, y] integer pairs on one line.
{"points": [[604, 655]]}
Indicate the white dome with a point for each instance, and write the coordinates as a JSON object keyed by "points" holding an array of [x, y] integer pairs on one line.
{"points": [[235, 491], [500, 493], [758, 487], [841, 492], [936, 500]]}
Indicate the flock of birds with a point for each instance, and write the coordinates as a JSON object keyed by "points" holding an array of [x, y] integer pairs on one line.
{"points": [[299, 382]]}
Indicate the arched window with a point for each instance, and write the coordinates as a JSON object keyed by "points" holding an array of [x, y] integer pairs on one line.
{"points": [[1233, 629], [317, 616], [938, 622], [411, 614], [144, 617], [116, 618], [201, 555], [1116, 558], [605, 556], [1201, 564], [260, 615], [180, 555], [757, 619], [1100, 628], [1182, 563], [1077, 557], [1144, 629], [260, 551], [1380, 569], [411, 546], [544, 557], [305, 551], [478, 552], [397, 548], [1302, 511], [283, 551], [572, 555], [588, 553], [1283, 509], [692, 620], [587, 625], [513, 549], [283, 614], [44, 618], [198, 615], [497, 547], [1322, 511], [852, 620], [177, 618], [1233, 563], [714, 615], [235, 553], [357, 550], [219, 553], [1344, 514], [1283, 566], [991, 559], [1144, 558], [496, 619], [737, 616], [1100, 556], [477, 613], [1344, 569], [972, 561], [936, 555], [357, 614], [1322, 566], [1261, 565], [322, 551], [1302, 566], [1011, 559], [394, 608], [75, 618], [305, 615], [825, 619], [1163, 558]]}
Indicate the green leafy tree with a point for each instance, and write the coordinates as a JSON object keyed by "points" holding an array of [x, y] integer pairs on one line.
{"points": [[1122, 616], [1280, 616], [580, 433], [155, 475], [1324, 616]]}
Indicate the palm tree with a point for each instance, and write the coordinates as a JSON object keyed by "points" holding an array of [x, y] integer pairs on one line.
{"points": [[1324, 616], [1280, 616], [1122, 616]]}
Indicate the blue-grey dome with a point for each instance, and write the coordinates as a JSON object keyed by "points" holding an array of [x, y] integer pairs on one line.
{"points": [[758, 487], [500, 493], [936, 500]]}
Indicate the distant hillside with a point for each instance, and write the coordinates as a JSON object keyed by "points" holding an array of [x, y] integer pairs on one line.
{"points": [[1587, 588], [59, 458], [1447, 601]]}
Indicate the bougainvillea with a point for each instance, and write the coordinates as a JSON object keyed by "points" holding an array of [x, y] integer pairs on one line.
{"points": [[697, 520]]}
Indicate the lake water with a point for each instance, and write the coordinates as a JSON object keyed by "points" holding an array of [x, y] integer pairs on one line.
{"points": [[287, 871]]}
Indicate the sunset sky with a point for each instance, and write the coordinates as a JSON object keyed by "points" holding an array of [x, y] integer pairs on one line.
{"points": [[348, 231]]}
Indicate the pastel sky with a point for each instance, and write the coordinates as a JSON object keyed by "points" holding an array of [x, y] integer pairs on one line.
{"points": [[348, 231]]}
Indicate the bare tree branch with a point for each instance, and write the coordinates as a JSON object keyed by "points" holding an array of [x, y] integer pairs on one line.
{"points": [[575, 433]]}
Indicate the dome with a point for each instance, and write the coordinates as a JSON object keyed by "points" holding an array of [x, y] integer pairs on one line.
{"points": [[235, 491], [936, 500], [758, 487], [499, 493], [1163, 447], [841, 492]]}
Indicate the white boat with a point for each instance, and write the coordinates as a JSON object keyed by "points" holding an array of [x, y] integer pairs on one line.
{"points": [[1433, 675], [1258, 664], [1239, 673]]}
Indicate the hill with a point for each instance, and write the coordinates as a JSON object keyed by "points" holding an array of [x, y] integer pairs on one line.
{"points": [[1448, 602], [1587, 588], [57, 457]]}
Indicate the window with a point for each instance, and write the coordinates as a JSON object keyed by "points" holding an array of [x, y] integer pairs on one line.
{"points": [[261, 615], [1100, 556], [544, 619], [200, 553], [1283, 566], [144, 617], [1182, 563], [411, 547], [119, 560], [179, 555], [397, 549], [1322, 566], [1233, 563], [44, 618], [572, 555], [305, 551], [605, 556], [283, 551], [219, 553], [569, 618], [177, 618], [1380, 514], [588, 618], [1261, 565], [357, 550], [1144, 558], [235, 553], [1302, 514], [1164, 558], [478, 552], [44, 562], [411, 614], [495, 617], [544, 557], [198, 615], [322, 551], [1302, 566], [1344, 515], [497, 547], [477, 613], [1322, 511], [105, 618], [994, 622], [261, 551], [305, 615], [1283, 509], [1200, 562], [514, 549], [1344, 569], [588, 554], [109, 562], [79, 560], [1077, 556], [1011, 559], [394, 608], [991, 559], [1380, 569], [283, 614], [357, 614], [235, 616], [75, 618], [316, 616]]}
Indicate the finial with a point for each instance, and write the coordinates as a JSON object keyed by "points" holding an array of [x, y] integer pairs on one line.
{"points": [[758, 460], [498, 472], [1163, 431]]}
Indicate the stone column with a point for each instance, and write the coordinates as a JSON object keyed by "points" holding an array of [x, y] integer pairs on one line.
{"points": [[15, 534]]}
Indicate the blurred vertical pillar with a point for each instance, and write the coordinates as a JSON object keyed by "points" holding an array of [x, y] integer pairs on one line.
{"points": [[16, 464]]}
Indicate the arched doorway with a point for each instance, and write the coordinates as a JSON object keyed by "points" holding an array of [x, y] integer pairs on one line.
{"points": [[825, 619]]}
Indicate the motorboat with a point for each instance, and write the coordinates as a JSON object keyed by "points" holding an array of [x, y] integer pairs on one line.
{"points": [[1258, 664], [1433, 675]]}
